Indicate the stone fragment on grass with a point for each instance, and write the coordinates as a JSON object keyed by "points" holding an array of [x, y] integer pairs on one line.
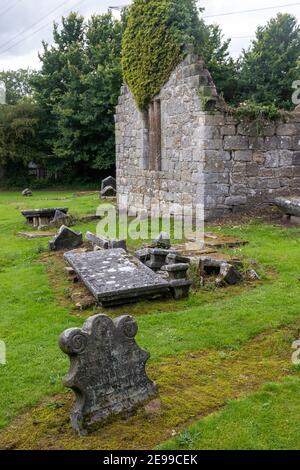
{"points": [[163, 241], [27, 193], [101, 242], [108, 192], [289, 205], [66, 239], [104, 243], [253, 275], [230, 274]]}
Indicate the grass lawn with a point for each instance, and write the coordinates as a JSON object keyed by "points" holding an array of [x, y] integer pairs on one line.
{"points": [[214, 351]]}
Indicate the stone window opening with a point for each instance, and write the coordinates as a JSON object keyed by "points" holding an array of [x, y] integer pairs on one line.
{"points": [[154, 128]]}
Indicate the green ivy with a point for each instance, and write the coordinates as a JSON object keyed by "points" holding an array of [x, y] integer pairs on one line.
{"points": [[154, 43], [257, 115]]}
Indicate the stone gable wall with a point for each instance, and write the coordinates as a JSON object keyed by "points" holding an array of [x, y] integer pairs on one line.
{"points": [[207, 157]]}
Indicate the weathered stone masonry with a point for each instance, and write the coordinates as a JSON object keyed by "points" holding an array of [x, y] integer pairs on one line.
{"points": [[206, 157]]}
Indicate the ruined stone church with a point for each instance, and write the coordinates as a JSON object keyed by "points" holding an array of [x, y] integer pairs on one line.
{"points": [[186, 149]]}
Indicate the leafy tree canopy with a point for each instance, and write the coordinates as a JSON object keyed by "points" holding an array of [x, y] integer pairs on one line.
{"points": [[18, 84], [269, 67], [78, 88], [19, 133]]}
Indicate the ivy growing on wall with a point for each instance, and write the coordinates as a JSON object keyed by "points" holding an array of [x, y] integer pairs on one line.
{"points": [[154, 43]]}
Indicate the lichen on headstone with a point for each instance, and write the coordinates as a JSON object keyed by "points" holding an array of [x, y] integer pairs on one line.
{"points": [[107, 372]]}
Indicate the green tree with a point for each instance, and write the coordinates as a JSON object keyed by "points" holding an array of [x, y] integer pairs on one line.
{"points": [[18, 84], [20, 140], [215, 52], [269, 67], [78, 88]]}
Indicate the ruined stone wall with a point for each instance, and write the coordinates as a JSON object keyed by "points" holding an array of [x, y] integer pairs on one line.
{"points": [[180, 180], [246, 165], [207, 157]]}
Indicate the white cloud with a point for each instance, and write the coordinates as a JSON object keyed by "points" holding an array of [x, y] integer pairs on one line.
{"points": [[18, 48]]}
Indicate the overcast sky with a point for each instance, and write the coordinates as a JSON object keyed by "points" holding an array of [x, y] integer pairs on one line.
{"points": [[25, 23]]}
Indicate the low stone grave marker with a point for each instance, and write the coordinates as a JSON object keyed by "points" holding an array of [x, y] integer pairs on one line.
{"points": [[107, 372], [108, 193], [66, 239], [105, 243], [27, 192], [110, 181], [116, 278], [290, 206]]}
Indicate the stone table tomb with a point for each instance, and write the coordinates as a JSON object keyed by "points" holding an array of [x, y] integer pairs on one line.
{"points": [[116, 278]]}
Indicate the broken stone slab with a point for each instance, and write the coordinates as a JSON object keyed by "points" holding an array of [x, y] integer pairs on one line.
{"points": [[104, 243], [109, 182], [107, 371], [175, 258], [180, 288], [289, 205], [27, 193], [60, 218], [40, 217], [157, 258], [252, 275], [176, 271], [210, 266], [108, 192], [115, 278], [162, 241], [143, 255], [66, 239], [230, 274], [115, 244], [101, 242]]}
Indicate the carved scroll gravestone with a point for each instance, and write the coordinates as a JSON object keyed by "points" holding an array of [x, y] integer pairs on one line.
{"points": [[107, 371]]}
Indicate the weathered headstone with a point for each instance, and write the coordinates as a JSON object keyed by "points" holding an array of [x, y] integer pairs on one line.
{"points": [[107, 372], [108, 193], [109, 182], [66, 239], [116, 278], [60, 218]]}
